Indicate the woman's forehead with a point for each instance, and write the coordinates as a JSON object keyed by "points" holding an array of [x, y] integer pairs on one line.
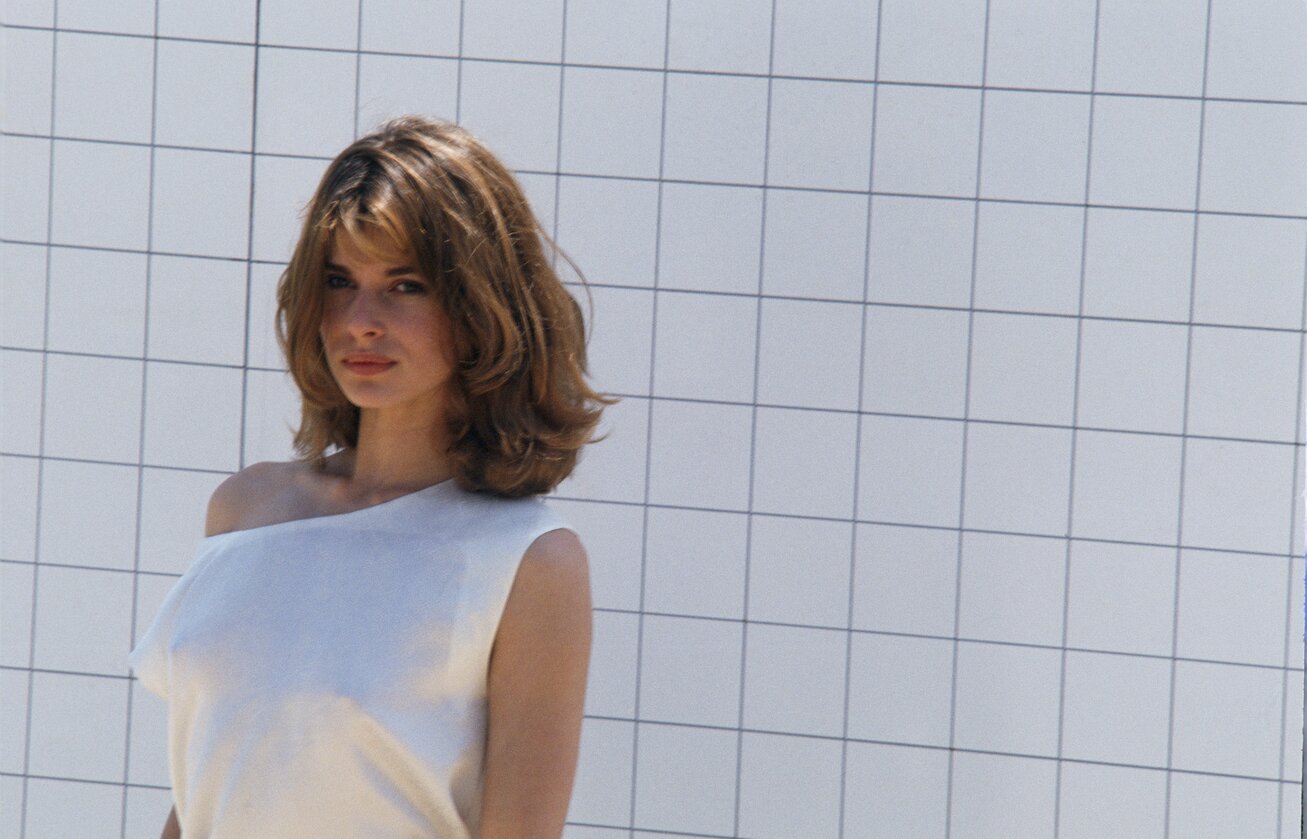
{"points": [[366, 246]]}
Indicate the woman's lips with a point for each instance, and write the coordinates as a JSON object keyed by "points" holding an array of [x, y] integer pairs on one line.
{"points": [[368, 368]]}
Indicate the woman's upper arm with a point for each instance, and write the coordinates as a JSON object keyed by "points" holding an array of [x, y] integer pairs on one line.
{"points": [[537, 681]]}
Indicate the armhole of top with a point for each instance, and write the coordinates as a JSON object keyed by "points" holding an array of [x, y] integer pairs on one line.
{"points": [[148, 660]]}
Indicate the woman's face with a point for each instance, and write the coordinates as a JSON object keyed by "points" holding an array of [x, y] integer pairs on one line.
{"points": [[387, 340]]}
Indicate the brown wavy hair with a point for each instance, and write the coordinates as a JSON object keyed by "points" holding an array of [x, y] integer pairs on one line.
{"points": [[519, 408]]}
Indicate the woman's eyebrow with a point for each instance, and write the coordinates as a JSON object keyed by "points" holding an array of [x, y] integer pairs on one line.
{"points": [[390, 272]]}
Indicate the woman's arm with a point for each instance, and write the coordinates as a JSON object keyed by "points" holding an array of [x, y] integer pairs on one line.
{"points": [[537, 680], [171, 829]]}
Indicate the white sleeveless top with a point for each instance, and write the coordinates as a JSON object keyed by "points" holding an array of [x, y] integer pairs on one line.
{"points": [[327, 676]]}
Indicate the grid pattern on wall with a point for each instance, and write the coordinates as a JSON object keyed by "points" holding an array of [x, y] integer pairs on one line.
{"points": [[956, 486]]}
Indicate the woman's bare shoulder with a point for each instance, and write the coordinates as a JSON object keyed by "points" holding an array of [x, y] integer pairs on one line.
{"points": [[240, 501]]}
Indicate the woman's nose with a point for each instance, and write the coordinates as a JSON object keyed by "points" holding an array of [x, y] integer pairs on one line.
{"points": [[364, 316]]}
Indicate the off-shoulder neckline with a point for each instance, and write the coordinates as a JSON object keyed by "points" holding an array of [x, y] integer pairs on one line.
{"points": [[437, 488]]}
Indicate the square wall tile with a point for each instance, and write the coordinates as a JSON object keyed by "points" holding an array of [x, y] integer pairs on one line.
{"points": [[261, 349], [283, 187], [331, 25], [1017, 478], [789, 786], [700, 454], [1028, 257], [304, 101], [173, 508], [704, 346], [612, 122], [1035, 146], [192, 416], [1120, 597], [1249, 271], [909, 470], [29, 13], [1152, 48], [926, 43], [601, 793], [513, 109], [222, 117], [1296, 596], [100, 195], [421, 27], [1132, 375], [92, 104], [900, 791], [690, 670], [1043, 44], [920, 251], [1291, 768], [621, 339], [900, 688], [1116, 708], [13, 702], [1022, 368], [22, 379], [685, 779], [1253, 161], [1145, 152], [1206, 807], [82, 615], [29, 80], [1256, 52], [826, 38], [392, 86], [609, 226], [614, 535], [1006, 700], [18, 481], [113, 386], [78, 728], [135, 17], [22, 295], [1012, 588], [816, 244], [610, 683], [88, 517], [723, 36], [1227, 719], [1234, 495], [17, 596], [628, 33], [201, 203], [799, 571], [1118, 801], [97, 301], [820, 134], [694, 562], [71, 808], [926, 139], [197, 310], [808, 353], [272, 413], [1002, 795], [1232, 607], [522, 30], [1126, 486], [1237, 381], [814, 478], [616, 470], [714, 128], [904, 579], [231, 21], [25, 182], [710, 237], [148, 753], [1138, 264], [794, 679], [916, 361]]}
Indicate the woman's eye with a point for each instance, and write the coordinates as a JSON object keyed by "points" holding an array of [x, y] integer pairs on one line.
{"points": [[412, 287], [336, 281]]}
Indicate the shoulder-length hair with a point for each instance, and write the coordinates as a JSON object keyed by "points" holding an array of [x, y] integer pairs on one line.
{"points": [[519, 409]]}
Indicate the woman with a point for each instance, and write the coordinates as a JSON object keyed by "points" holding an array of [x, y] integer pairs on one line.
{"points": [[391, 639]]}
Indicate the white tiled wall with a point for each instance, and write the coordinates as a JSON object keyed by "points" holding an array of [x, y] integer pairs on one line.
{"points": [[957, 486]]}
